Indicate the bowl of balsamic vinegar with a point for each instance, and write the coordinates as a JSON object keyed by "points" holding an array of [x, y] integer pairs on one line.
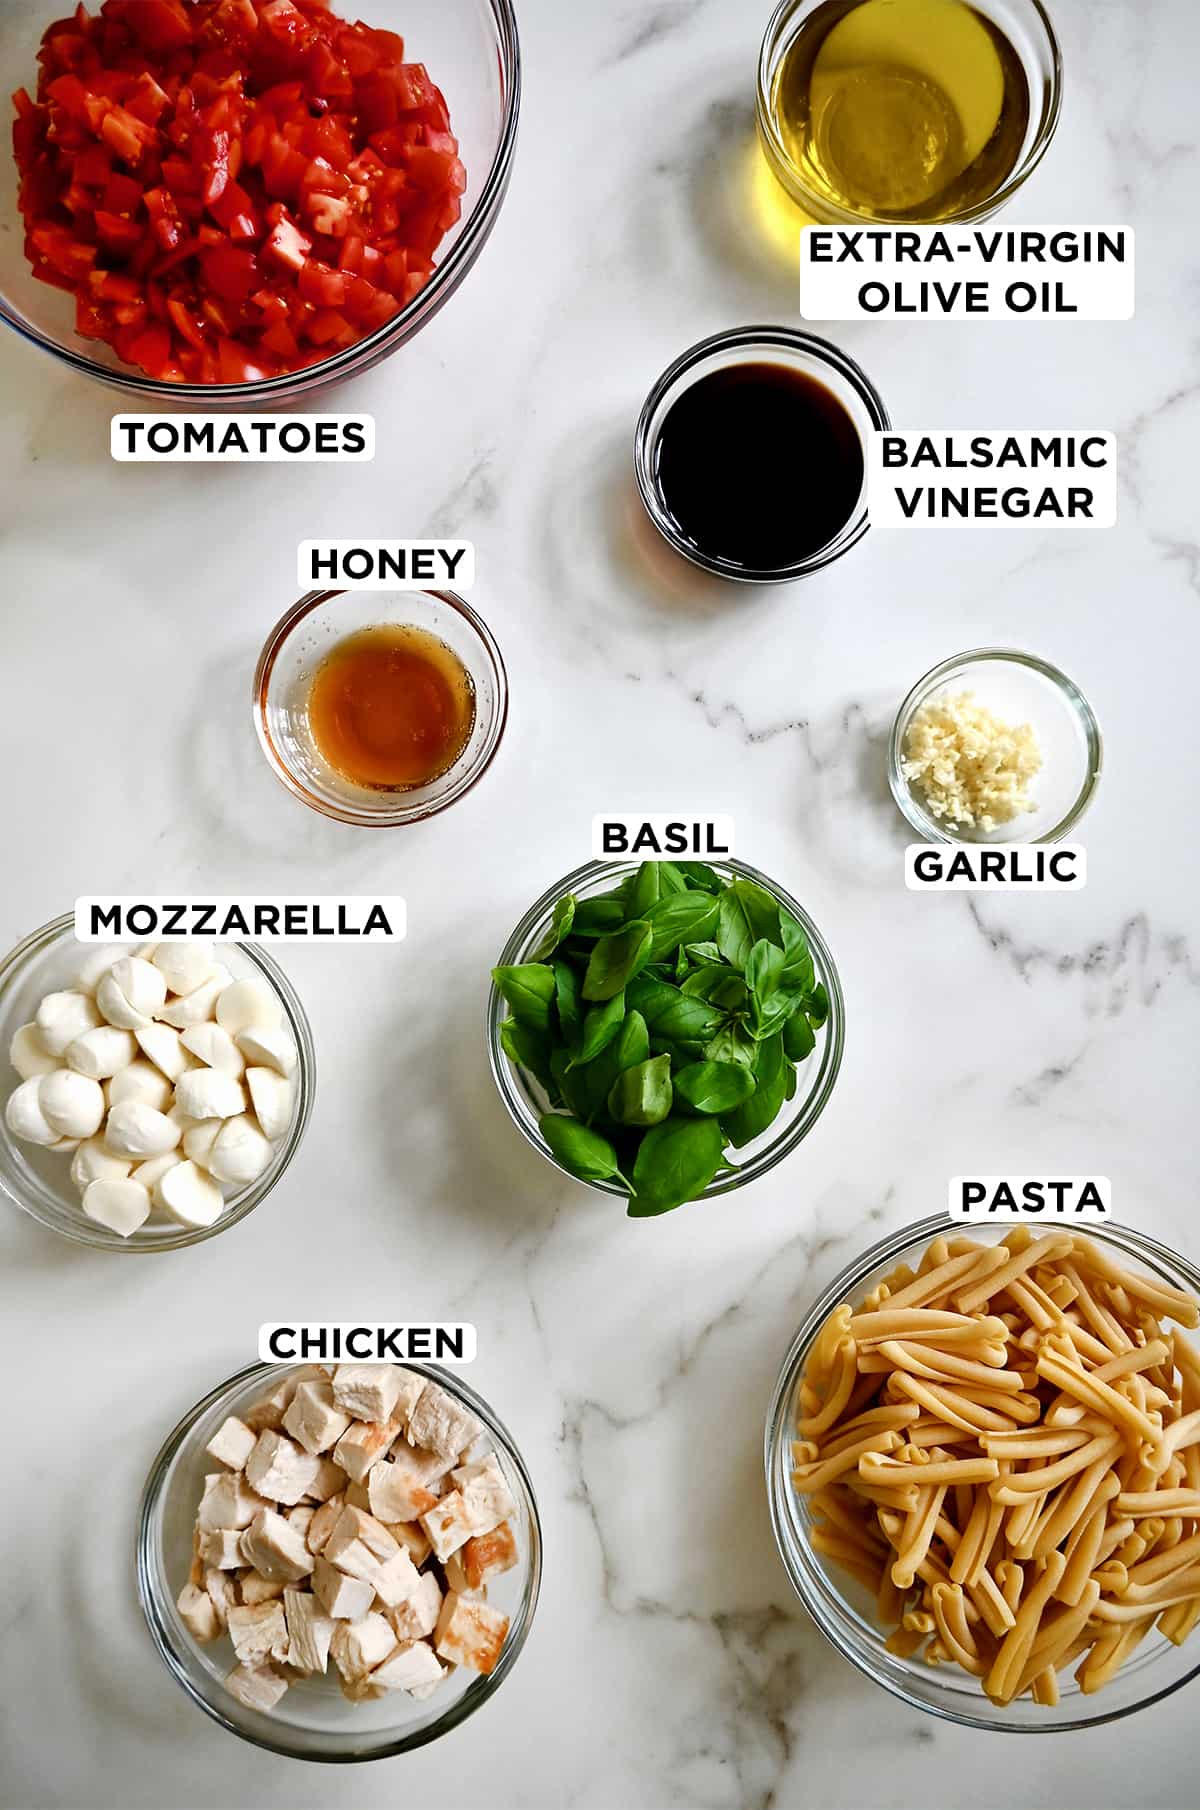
{"points": [[751, 454]]}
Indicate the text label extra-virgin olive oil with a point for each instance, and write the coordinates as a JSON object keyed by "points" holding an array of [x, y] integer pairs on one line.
{"points": [[901, 109]]}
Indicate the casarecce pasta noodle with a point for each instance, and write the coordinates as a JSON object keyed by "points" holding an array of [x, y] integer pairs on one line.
{"points": [[1003, 1447]]}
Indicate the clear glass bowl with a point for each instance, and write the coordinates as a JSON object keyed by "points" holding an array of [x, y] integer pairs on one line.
{"points": [[314, 1721], [1020, 688], [39, 1182], [295, 648], [472, 52], [844, 1614], [1028, 29], [527, 1102], [805, 352]]}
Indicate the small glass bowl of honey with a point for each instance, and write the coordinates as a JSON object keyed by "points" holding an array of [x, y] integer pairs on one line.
{"points": [[380, 708], [907, 111]]}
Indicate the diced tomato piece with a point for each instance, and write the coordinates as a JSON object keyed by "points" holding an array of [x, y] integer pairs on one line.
{"points": [[128, 136], [93, 167], [281, 341], [413, 86], [152, 350], [158, 24], [185, 323], [236, 365], [231, 273], [287, 23], [90, 319], [323, 287], [287, 244], [326, 76], [117, 233], [329, 214], [68, 92], [435, 172], [148, 101], [122, 195]]}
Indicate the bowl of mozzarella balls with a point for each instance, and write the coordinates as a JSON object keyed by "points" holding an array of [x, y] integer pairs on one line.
{"points": [[153, 1095]]}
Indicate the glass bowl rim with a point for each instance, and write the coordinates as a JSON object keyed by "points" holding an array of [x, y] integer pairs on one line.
{"points": [[894, 1247], [59, 929], [827, 212], [907, 804], [364, 352], [808, 348], [784, 1142], [480, 1689], [398, 817]]}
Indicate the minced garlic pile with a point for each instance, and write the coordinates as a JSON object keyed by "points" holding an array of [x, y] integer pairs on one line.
{"points": [[973, 769]]}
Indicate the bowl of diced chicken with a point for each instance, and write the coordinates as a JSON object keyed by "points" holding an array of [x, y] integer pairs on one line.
{"points": [[151, 1096], [339, 1562]]}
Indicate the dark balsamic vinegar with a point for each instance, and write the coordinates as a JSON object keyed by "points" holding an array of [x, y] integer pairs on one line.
{"points": [[759, 466]]}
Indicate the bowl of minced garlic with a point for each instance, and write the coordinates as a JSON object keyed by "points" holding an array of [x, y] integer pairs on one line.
{"points": [[994, 745]]}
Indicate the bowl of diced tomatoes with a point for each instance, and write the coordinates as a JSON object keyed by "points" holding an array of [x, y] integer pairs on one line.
{"points": [[241, 201]]}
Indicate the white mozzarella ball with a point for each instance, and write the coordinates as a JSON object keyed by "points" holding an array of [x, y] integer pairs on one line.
{"points": [[95, 1162], [195, 1007], [189, 1196], [240, 1153], [272, 1097], [185, 966], [151, 1172], [210, 1044], [122, 1206], [131, 992], [139, 1131], [65, 1144], [29, 1055], [246, 1003], [62, 1017], [101, 1053], [96, 965], [24, 1116], [268, 1046], [73, 1104], [143, 1082], [208, 1093], [162, 1046], [199, 1139]]}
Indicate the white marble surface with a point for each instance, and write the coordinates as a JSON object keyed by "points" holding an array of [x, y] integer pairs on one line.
{"points": [[669, 1664]]}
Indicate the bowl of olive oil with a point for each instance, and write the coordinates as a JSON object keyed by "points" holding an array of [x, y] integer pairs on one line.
{"points": [[907, 110]]}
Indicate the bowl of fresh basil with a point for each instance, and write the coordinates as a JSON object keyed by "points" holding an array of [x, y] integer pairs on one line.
{"points": [[665, 1032]]}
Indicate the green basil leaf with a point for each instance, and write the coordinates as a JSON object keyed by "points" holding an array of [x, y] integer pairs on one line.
{"points": [[817, 1006], [642, 1095], [722, 987], [566, 1000], [597, 916], [616, 959], [799, 974], [763, 1107], [580, 1150], [681, 918], [675, 1162], [558, 929], [671, 1013], [682, 965], [745, 915], [528, 1049], [714, 1087], [600, 1026], [732, 1043], [653, 882], [701, 876], [572, 1091], [633, 1042], [528, 989], [798, 1039], [705, 955]]}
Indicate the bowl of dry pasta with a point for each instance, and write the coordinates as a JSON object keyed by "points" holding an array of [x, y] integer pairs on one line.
{"points": [[983, 1464]]}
